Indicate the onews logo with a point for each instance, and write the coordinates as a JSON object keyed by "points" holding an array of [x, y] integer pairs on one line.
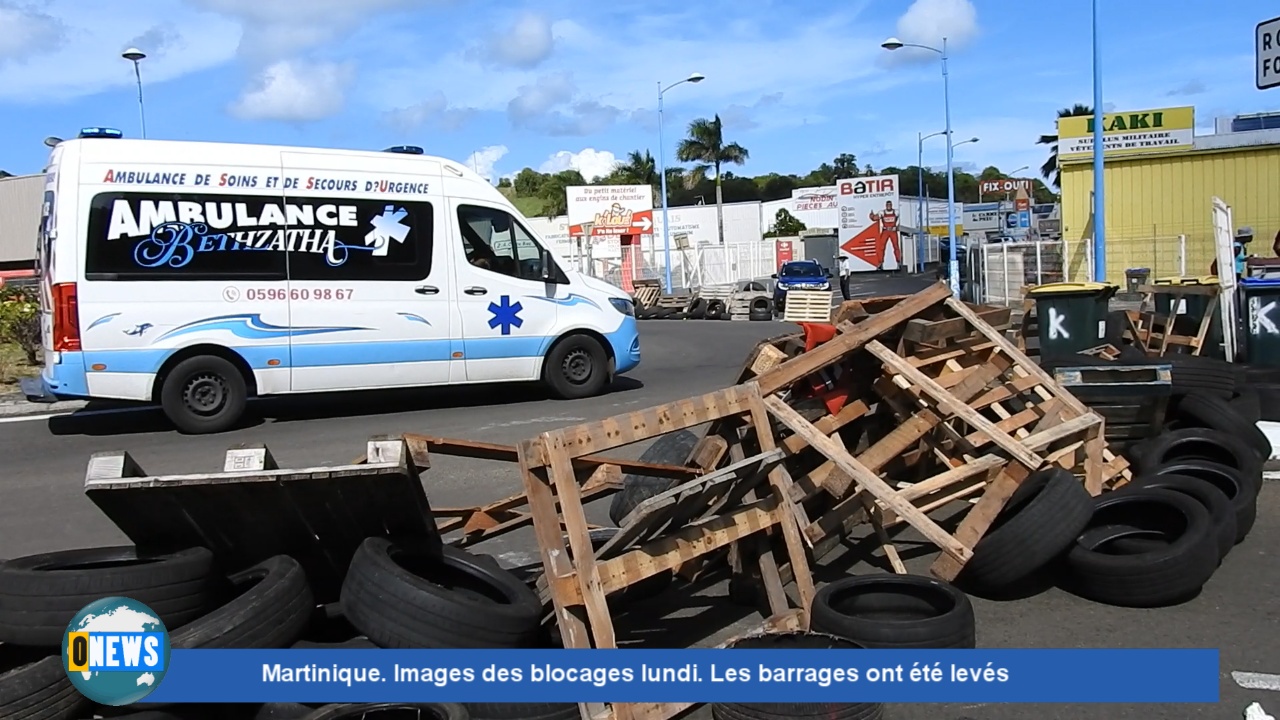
{"points": [[116, 651]]}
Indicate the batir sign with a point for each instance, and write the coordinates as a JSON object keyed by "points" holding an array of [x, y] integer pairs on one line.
{"points": [[1267, 48]]}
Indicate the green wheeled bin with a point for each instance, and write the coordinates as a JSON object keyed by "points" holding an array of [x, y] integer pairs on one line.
{"points": [[1262, 320], [1071, 317]]}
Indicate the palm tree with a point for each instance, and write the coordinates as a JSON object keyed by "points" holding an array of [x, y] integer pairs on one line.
{"points": [[1050, 169], [706, 147], [638, 169]]}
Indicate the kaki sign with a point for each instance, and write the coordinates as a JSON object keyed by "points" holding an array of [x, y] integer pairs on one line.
{"points": [[1007, 185]]}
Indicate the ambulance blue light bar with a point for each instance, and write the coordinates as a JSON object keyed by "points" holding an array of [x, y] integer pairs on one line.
{"points": [[100, 132], [405, 150]]}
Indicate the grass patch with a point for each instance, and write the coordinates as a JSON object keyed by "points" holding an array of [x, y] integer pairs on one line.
{"points": [[528, 206], [13, 367]]}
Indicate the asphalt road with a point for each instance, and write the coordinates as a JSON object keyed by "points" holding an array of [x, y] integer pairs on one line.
{"points": [[42, 508]]}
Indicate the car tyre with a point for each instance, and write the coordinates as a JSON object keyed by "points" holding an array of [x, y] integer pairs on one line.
{"points": [[270, 608], [669, 449], [1164, 575], [1040, 521], [203, 394], [35, 688], [409, 597], [1214, 499], [576, 367], [1241, 493], [40, 594], [887, 611], [796, 710]]}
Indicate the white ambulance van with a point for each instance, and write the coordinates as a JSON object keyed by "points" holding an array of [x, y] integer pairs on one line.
{"points": [[198, 275]]}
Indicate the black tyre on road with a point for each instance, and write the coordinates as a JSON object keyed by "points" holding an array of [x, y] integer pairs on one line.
{"points": [[1215, 500], [40, 594], [576, 367], [760, 309], [796, 710], [895, 611], [34, 686], [405, 597], [1242, 493], [270, 606], [1173, 572], [1038, 523], [715, 310], [1208, 411], [1200, 444], [204, 394], [670, 449]]}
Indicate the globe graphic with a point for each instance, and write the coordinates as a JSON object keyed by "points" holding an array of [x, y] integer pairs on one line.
{"points": [[116, 614]]}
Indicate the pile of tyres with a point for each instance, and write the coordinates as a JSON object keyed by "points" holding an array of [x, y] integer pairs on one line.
{"points": [[697, 309], [393, 596]]}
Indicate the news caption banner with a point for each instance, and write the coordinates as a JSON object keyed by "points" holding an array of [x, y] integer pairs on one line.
{"points": [[696, 675]]}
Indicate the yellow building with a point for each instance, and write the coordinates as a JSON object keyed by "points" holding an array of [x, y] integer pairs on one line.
{"points": [[1160, 185]]}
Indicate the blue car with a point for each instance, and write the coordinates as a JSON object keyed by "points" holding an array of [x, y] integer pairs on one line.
{"points": [[799, 275]]}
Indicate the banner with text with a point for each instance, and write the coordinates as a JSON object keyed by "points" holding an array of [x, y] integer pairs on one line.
{"points": [[612, 210], [1128, 133], [699, 675], [868, 232]]}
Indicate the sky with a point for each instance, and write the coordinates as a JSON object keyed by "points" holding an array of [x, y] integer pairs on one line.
{"points": [[557, 84]]}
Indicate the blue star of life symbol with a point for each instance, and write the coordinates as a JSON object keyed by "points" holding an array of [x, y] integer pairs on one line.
{"points": [[506, 314]]}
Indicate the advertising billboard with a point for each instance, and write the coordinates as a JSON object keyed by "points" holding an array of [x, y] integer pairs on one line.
{"points": [[612, 210], [1128, 133], [868, 230]]}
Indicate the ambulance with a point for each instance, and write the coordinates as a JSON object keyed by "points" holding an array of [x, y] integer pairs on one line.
{"points": [[198, 275]]}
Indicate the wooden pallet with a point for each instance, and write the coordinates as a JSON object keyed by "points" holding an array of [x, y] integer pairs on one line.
{"points": [[646, 296], [678, 301], [1133, 399], [666, 532], [807, 306], [253, 510], [1156, 333], [947, 408]]}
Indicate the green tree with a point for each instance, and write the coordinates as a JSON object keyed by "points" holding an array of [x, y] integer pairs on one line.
{"points": [[821, 176], [785, 225], [1049, 170], [505, 183], [705, 146], [554, 191], [528, 182], [845, 166], [638, 169]]}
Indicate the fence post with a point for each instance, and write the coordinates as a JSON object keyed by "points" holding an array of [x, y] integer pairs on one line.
{"points": [[1182, 255]]}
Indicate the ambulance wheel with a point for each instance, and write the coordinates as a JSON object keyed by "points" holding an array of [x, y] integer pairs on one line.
{"points": [[576, 367], [203, 394]]}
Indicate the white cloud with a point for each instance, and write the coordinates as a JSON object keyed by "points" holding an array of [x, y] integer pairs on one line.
{"points": [[155, 42], [435, 110], [295, 91], [539, 97], [89, 62], [275, 29], [592, 80], [27, 31], [927, 22], [590, 162], [524, 44], [483, 160]]}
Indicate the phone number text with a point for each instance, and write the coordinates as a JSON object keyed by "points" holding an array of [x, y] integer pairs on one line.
{"points": [[298, 294]]}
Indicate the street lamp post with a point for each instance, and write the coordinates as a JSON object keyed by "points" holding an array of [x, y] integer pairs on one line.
{"points": [[136, 55], [662, 172], [920, 201], [954, 270], [1099, 207]]}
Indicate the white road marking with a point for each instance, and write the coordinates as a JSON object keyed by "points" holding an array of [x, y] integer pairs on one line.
{"points": [[1256, 681], [1255, 712], [77, 413], [533, 421]]}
